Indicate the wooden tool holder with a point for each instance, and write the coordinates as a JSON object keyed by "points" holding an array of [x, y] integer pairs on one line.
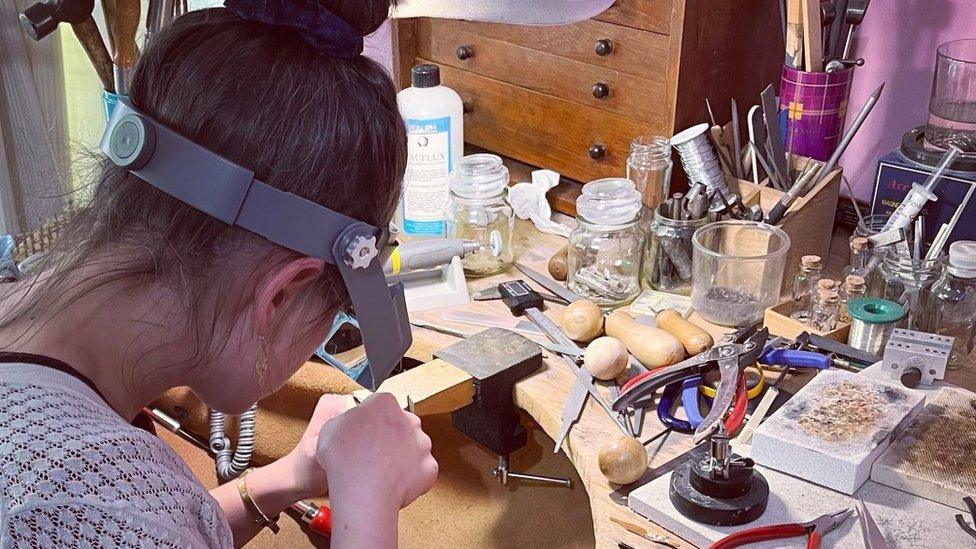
{"points": [[777, 320], [809, 221]]}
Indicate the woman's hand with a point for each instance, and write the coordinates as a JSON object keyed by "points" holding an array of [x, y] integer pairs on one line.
{"points": [[378, 452], [309, 477]]}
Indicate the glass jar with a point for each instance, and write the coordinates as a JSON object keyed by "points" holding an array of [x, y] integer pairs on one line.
{"points": [[605, 249], [804, 286], [649, 167], [667, 264], [906, 281], [478, 211], [952, 104], [738, 271], [952, 303]]}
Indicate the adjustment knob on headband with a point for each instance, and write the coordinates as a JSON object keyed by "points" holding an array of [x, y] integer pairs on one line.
{"points": [[361, 251], [131, 142]]}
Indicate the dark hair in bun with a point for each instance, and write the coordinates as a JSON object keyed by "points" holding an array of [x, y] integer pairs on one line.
{"points": [[333, 27]]}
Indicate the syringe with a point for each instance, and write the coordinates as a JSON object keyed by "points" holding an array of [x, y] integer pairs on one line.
{"points": [[921, 194], [913, 203]]}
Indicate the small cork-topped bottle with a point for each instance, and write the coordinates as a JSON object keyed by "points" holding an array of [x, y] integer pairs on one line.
{"points": [[860, 253], [854, 287], [804, 284], [826, 310]]}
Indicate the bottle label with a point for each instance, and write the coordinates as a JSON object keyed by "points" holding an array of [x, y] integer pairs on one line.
{"points": [[426, 182]]}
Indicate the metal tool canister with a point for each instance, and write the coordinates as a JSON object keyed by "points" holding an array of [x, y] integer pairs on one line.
{"points": [[872, 321]]}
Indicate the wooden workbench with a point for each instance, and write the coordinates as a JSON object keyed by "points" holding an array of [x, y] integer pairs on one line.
{"points": [[543, 394], [437, 387]]}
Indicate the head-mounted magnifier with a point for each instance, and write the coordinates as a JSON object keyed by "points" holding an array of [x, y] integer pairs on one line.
{"points": [[220, 188]]}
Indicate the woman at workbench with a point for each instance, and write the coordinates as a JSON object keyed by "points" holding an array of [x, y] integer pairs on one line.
{"points": [[144, 293]]}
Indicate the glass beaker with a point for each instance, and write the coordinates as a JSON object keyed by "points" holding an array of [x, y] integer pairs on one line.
{"points": [[907, 282], [738, 270], [952, 105]]}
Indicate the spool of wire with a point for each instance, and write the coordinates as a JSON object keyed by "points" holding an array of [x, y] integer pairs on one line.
{"points": [[699, 159], [872, 321]]}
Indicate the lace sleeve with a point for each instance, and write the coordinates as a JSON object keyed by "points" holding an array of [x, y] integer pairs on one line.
{"points": [[82, 524]]}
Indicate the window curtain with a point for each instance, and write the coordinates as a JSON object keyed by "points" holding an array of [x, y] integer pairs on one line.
{"points": [[33, 139]]}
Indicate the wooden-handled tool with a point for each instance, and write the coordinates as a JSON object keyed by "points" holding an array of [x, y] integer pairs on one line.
{"points": [[694, 338], [124, 24], [94, 46], [654, 347], [43, 18]]}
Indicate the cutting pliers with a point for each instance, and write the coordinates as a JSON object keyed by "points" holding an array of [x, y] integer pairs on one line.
{"points": [[730, 357], [815, 529], [688, 390]]}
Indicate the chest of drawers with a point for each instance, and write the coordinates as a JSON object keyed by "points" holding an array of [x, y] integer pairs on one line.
{"points": [[572, 97]]}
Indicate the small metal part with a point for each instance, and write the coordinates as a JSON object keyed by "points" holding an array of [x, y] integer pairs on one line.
{"points": [[736, 142], [555, 287], [837, 65], [609, 286], [853, 16], [720, 454], [887, 238], [916, 357], [502, 473]]}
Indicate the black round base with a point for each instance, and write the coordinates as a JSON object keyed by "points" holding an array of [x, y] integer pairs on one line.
{"points": [[718, 512]]}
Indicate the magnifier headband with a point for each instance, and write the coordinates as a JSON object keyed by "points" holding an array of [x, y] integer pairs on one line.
{"points": [[229, 192]]}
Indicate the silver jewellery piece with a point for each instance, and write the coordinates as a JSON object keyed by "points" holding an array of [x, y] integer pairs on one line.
{"points": [[699, 159]]}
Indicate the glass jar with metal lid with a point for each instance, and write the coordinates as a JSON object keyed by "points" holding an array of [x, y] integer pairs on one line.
{"points": [[605, 249], [478, 211]]}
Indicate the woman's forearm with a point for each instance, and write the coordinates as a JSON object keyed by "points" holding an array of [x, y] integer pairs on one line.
{"points": [[358, 522], [273, 489]]}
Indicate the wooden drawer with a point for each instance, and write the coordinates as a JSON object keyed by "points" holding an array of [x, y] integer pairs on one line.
{"points": [[541, 130], [652, 15], [639, 98], [634, 51]]}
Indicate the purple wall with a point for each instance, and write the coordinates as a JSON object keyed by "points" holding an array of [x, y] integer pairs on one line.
{"points": [[898, 41]]}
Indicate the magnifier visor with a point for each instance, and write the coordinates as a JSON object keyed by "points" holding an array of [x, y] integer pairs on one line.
{"points": [[229, 192]]}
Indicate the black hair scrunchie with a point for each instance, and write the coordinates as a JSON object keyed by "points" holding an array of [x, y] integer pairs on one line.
{"points": [[325, 31]]}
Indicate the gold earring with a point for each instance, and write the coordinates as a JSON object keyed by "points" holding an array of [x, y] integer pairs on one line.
{"points": [[262, 362]]}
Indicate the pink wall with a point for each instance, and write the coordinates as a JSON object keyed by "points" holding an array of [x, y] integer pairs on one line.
{"points": [[898, 41]]}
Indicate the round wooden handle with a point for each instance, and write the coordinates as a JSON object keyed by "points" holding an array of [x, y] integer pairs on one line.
{"points": [[623, 460], [603, 47]]}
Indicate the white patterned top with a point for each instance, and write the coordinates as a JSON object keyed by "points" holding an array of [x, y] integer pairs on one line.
{"points": [[75, 474]]}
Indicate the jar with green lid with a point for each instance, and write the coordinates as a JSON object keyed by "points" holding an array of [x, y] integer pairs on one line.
{"points": [[668, 253], [478, 211], [605, 249]]}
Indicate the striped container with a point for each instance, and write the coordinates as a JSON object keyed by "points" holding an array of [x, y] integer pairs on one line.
{"points": [[812, 110]]}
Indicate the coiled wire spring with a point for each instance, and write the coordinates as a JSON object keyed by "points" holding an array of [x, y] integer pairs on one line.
{"points": [[230, 463]]}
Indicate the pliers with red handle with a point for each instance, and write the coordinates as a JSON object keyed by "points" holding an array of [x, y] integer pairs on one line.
{"points": [[816, 529], [729, 357]]}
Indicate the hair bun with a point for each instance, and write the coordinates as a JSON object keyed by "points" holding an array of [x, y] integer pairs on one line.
{"points": [[364, 15], [333, 27]]}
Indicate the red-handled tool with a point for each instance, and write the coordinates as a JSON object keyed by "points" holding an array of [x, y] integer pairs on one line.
{"points": [[816, 529], [317, 517]]}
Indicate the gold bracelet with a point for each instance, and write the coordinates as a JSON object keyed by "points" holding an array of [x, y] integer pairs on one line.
{"points": [[261, 519]]}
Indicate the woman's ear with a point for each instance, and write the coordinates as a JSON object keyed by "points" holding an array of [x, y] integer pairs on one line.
{"points": [[279, 287]]}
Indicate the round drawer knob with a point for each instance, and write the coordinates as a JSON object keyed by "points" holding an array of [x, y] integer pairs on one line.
{"points": [[604, 46], [601, 90], [464, 52], [598, 151]]}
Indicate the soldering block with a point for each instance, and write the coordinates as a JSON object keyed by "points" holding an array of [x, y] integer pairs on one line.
{"points": [[834, 428]]}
